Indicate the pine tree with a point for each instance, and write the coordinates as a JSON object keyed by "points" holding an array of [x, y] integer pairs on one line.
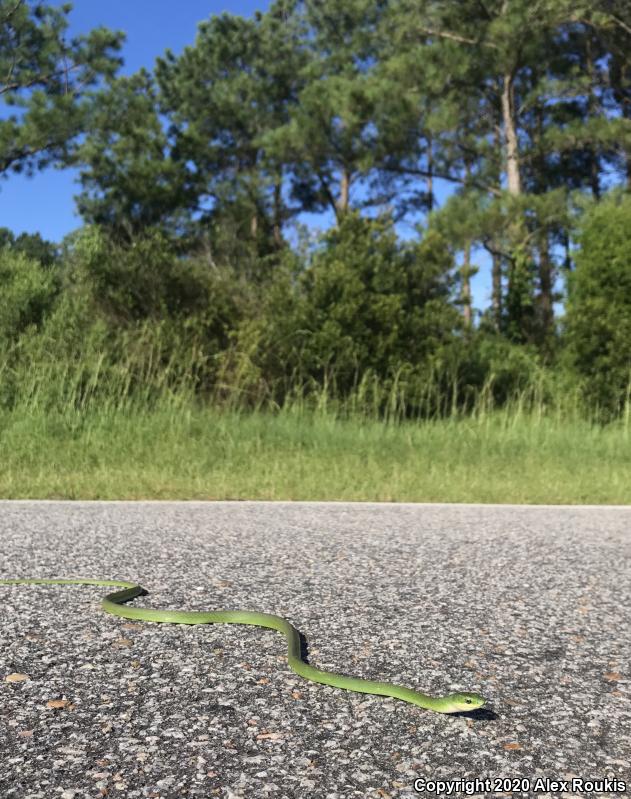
{"points": [[46, 78], [329, 139], [222, 96], [129, 177]]}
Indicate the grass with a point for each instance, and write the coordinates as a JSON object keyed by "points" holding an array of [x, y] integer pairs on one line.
{"points": [[131, 425], [183, 450]]}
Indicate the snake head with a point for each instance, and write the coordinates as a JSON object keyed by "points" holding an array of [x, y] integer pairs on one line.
{"points": [[459, 703]]}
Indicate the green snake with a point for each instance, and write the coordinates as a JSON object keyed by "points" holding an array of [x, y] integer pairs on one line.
{"points": [[113, 603]]}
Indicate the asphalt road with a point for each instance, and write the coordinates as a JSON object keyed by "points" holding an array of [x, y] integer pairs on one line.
{"points": [[530, 606]]}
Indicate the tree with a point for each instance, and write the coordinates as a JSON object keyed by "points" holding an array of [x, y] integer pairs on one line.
{"points": [[46, 78], [536, 95], [222, 96], [329, 139], [614, 32], [32, 245], [131, 180]]}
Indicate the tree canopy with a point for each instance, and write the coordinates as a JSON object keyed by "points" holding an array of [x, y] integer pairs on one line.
{"points": [[490, 126], [45, 81]]}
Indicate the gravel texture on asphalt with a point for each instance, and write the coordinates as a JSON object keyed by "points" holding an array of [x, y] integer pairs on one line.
{"points": [[529, 606]]}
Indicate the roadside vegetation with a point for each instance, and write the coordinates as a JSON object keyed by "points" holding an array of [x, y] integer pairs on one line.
{"points": [[193, 339]]}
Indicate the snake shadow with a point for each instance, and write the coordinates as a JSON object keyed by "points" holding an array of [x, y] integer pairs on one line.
{"points": [[481, 714], [304, 647]]}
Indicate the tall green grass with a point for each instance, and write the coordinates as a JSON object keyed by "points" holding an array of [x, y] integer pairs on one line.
{"points": [[151, 415], [177, 451]]}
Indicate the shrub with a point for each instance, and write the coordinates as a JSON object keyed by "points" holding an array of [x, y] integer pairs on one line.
{"points": [[598, 312], [365, 303], [28, 293]]}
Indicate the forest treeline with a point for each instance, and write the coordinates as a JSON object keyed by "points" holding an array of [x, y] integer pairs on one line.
{"points": [[193, 273]]}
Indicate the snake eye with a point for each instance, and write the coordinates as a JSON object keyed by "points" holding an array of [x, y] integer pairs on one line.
{"points": [[468, 701]]}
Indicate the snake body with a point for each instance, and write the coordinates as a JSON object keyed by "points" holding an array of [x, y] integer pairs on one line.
{"points": [[114, 603]]}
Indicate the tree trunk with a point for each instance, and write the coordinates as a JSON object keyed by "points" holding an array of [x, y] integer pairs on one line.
{"points": [[626, 113], [467, 311], [511, 144], [430, 175], [496, 269], [594, 173], [619, 82], [278, 213], [517, 317], [496, 293], [545, 284], [546, 313], [465, 273], [343, 199]]}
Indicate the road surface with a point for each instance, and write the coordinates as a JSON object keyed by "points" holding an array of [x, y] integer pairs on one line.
{"points": [[529, 606]]}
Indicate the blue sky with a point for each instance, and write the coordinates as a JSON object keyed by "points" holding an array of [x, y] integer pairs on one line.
{"points": [[45, 202]]}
